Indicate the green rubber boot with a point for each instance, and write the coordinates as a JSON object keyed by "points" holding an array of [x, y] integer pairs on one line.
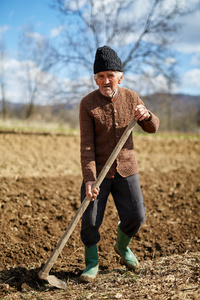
{"points": [[121, 247], [91, 261]]}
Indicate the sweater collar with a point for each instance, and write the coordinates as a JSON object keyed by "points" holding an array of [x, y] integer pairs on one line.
{"points": [[107, 97]]}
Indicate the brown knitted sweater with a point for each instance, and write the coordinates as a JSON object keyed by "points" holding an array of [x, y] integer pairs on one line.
{"points": [[102, 123]]}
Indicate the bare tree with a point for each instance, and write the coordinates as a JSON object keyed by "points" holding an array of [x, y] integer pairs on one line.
{"points": [[37, 58], [2, 79], [140, 31]]}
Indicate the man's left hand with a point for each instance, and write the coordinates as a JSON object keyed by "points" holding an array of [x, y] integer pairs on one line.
{"points": [[141, 113]]}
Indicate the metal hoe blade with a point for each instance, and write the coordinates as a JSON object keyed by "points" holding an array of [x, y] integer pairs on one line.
{"points": [[53, 280]]}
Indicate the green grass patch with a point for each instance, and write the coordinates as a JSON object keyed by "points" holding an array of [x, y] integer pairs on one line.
{"points": [[178, 135], [19, 126]]}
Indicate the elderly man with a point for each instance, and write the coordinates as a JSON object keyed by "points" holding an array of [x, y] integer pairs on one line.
{"points": [[104, 115]]}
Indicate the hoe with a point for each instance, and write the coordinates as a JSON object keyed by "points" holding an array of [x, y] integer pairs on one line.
{"points": [[44, 273]]}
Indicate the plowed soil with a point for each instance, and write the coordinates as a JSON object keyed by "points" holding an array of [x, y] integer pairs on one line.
{"points": [[40, 180]]}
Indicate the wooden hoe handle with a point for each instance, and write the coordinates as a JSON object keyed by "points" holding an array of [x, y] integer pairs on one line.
{"points": [[54, 255]]}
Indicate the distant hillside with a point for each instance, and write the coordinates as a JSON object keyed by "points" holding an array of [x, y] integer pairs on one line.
{"points": [[177, 98], [177, 112], [187, 98]]}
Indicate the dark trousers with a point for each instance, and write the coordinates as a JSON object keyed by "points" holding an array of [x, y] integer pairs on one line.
{"points": [[128, 199]]}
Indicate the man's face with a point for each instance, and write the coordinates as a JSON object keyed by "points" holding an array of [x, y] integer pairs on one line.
{"points": [[108, 82]]}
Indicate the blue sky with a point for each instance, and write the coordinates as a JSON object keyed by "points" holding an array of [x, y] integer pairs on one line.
{"points": [[14, 14]]}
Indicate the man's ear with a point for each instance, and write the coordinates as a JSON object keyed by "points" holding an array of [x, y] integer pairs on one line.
{"points": [[120, 80], [95, 79], [96, 82]]}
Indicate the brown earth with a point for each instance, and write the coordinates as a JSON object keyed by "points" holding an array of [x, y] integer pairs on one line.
{"points": [[39, 195]]}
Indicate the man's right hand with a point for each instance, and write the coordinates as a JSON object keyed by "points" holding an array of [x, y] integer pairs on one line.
{"points": [[88, 187]]}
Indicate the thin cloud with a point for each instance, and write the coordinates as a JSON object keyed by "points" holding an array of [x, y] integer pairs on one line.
{"points": [[188, 41], [11, 14], [195, 61], [3, 29], [56, 31], [191, 78], [36, 36], [16, 76]]}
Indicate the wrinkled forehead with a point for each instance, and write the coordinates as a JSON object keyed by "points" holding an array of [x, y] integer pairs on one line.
{"points": [[105, 73]]}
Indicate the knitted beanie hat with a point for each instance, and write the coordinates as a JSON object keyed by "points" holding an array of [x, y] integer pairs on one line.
{"points": [[106, 59]]}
